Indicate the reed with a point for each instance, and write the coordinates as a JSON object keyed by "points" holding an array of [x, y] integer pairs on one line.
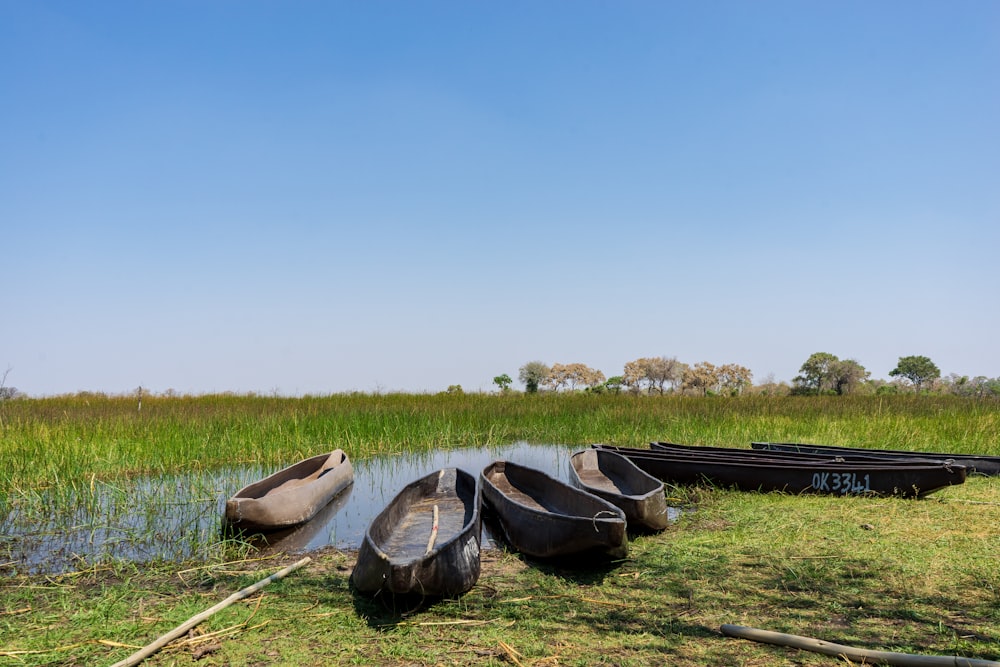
{"points": [[72, 440], [907, 575]]}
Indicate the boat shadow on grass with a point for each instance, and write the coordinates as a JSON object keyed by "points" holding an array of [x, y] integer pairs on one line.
{"points": [[385, 610], [585, 568]]}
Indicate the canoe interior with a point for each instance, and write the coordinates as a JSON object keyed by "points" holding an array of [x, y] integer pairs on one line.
{"points": [[403, 530], [616, 479], [402, 555], [613, 473], [536, 490], [300, 474]]}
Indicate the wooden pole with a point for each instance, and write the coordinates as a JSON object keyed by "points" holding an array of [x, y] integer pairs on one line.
{"points": [[434, 532], [152, 648], [851, 653]]}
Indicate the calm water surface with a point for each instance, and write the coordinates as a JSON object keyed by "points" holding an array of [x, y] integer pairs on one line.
{"points": [[179, 517]]}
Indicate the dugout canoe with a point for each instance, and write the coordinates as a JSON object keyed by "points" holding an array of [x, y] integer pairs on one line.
{"points": [[830, 477], [290, 496], [981, 464], [426, 541], [614, 478], [543, 517], [777, 455]]}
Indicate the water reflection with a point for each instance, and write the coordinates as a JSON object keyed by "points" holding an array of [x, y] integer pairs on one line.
{"points": [[178, 517]]}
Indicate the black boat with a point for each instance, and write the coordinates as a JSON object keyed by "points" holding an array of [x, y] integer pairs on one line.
{"points": [[543, 517], [829, 476], [426, 540], [982, 464], [750, 454], [614, 478]]}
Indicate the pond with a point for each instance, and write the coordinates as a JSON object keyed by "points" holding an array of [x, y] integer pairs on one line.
{"points": [[179, 517]]}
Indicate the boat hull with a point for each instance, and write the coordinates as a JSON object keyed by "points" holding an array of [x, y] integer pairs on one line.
{"points": [[974, 463], [290, 496], [397, 554], [617, 480], [543, 517], [905, 479], [785, 456]]}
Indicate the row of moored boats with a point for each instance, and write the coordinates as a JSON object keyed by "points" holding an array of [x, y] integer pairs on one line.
{"points": [[426, 541]]}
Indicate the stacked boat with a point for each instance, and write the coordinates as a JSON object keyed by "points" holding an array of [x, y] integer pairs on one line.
{"points": [[854, 472]]}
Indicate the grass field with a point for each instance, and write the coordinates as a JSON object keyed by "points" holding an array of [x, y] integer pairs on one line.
{"points": [[916, 576]]}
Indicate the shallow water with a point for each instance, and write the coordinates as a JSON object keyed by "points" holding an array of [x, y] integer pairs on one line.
{"points": [[179, 517]]}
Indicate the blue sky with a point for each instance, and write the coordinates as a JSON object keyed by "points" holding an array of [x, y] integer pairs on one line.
{"points": [[314, 197]]}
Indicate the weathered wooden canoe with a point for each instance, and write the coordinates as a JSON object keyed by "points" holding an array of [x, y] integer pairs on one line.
{"points": [[426, 541], [902, 478], [307, 536], [781, 455], [290, 496], [982, 464], [543, 517], [614, 478]]}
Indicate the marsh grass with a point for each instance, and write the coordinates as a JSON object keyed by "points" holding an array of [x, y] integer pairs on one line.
{"points": [[912, 576], [74, 439], [917, 576]]}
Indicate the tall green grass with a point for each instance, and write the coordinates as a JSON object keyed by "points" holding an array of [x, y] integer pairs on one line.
{"points": [[75, 439]]}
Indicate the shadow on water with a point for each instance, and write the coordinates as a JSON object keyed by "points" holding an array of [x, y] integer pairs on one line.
{"points": [[177, 517]]}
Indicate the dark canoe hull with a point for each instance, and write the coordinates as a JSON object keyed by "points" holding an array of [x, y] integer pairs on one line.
{"points": [[906, 479], [394, 555], [779, 456], [543, 517], [290, 496], [983, 465], [614, 478]]}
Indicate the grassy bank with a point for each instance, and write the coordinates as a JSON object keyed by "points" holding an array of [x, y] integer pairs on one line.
{"points": [[888, 574], [916, 576]]}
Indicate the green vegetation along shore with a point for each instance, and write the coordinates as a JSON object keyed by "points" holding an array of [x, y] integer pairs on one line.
{"points": [[914, 576]]}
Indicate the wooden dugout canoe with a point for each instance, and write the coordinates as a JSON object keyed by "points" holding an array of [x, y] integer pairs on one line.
{"points": [[782, 455], [614, 478], [903, 478], [426, 541], [982, 464], [290, 496], [543, 517]]}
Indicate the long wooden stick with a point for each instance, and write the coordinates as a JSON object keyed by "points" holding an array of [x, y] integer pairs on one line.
{"points": [[852, 653], [150, 649], [434, 531]]}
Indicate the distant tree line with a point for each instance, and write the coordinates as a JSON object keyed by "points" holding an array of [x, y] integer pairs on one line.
{"points": [[648, 375], [821, 374]]}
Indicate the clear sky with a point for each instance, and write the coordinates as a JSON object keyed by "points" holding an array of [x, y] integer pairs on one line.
{"points": [[315, 197]]}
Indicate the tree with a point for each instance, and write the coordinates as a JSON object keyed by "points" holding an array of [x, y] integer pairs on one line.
{"points": [[573, 375], [816, 374], [702, 378], [916, 369], [503, 381], [977, 387], [533, 374], [5, 391], [614, 383], [654, 373], [847, 376], [734, 378]]}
